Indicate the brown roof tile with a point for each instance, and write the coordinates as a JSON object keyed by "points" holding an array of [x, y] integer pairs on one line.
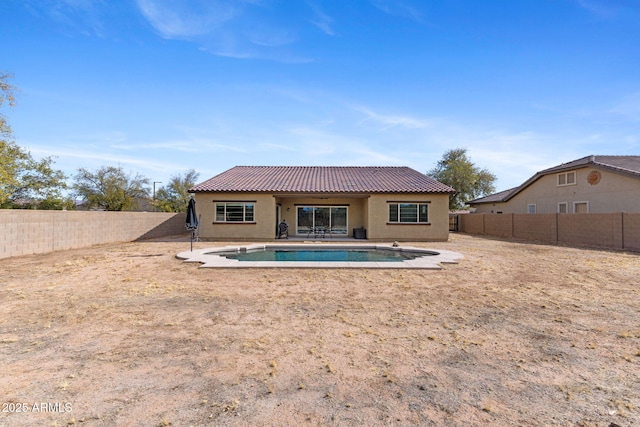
{"points": [[322, 179]]}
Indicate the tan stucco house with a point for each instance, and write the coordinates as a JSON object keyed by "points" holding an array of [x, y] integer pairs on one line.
{"points": [[592, 184], [381, 203]]}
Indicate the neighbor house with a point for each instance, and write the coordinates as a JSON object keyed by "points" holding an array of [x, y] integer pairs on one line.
{"points": [[381, 203], [592, 184]]}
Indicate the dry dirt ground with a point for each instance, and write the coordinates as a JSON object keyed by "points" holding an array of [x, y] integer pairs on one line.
{"points": [[515, 334]]}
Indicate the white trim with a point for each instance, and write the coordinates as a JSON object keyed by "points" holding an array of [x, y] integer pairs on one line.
{"points": [[566, 178], [581, 203], [566, 207], [531, 205]]}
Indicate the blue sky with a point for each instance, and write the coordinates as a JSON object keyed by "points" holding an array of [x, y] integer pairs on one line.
{"points": [[162, 86]]}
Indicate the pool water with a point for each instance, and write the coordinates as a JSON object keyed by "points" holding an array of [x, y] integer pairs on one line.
{"points": [[328, 255]]}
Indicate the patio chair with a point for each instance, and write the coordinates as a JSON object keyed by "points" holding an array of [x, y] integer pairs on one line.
{"points": [[283, 230], [310, 231]]}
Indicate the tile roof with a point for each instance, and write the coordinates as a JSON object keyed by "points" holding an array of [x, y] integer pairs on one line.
{"points": [[322, 179], [495, 197], [627, 165], [623, 164]]}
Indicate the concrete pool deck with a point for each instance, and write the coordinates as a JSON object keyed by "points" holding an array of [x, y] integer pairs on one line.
{"points": [[214, 258]]}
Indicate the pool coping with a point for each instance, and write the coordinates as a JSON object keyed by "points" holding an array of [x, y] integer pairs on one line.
{"points": [[208, 258]]}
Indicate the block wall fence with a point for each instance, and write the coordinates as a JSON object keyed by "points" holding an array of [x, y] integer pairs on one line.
{"points": [[25, 232], [618, 230]]}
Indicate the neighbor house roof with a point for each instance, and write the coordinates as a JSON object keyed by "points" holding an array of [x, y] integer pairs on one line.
{"points": [[626, 165], [322, 179]]}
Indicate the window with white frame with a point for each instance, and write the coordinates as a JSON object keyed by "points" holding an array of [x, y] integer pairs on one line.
{"points": [[235, 211], [567, 178], [581, 207], [563, 207], [531, 208], [408, 213]]}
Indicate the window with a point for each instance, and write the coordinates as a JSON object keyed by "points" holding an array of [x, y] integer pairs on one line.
{"points": [[563, 207], [567, 178], [408, 213], [235, 211], [581, 207], [531, 208]]}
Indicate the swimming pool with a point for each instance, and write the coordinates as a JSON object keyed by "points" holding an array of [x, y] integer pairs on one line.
{"points": [[320, 256], [324, 255]]}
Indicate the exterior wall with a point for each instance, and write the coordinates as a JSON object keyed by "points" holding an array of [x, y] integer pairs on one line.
{"points": [[379, 228], [370, 212], [25, 232], [614, 193], [263, 228], [613, 230]]}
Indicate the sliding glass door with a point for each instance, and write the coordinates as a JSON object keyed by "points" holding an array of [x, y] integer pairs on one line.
{"points": [[339, 220], [331, 219]]}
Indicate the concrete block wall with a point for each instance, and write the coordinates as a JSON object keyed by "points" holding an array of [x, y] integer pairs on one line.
{"points": [[612, 230], [472, 224], [541, 227], [631, 235], [30, 231], [591, 230], [499, 225]]}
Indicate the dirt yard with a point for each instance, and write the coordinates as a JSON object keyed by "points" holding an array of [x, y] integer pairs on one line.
{"points": [[515, 334]]}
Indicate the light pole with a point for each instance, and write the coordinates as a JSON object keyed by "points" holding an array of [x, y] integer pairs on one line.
{"points": [[154, 193]]}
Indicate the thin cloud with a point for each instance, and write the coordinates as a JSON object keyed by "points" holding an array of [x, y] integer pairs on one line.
{"points": [[185, 146], [235, 29], [74, 16], [185, 20], [368, 156], [103, 158], [388, 120], [270, 146], [400, 8], [610, 8], [629, 107], [321, 20]]}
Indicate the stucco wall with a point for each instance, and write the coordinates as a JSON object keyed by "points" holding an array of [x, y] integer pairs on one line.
{"points": [[370, 212], [25, 232], [379, 227], [262, 229], [614, 193]]}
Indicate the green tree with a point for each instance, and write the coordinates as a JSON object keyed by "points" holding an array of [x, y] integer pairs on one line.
{"points": [[470, 182], [174, 197], [111, 189], [7, 94], [21, 176]]}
